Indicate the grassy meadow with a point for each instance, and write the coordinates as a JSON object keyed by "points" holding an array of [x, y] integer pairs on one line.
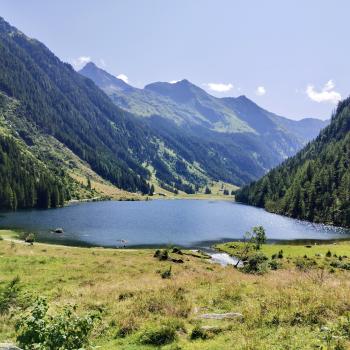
{"points": [[143, 304]]}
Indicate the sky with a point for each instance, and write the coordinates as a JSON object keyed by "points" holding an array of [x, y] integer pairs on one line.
{"points": [[291, 57]]}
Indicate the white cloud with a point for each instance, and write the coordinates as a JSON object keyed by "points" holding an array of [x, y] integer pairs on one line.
{"points": [[326, 94], [103, 63], [220, 87], [80, 62], [173, 81], [123, 77], [260, 91]]}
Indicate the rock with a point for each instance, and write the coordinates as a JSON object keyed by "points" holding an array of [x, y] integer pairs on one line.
{"points": [[211, 328], [226, 316], [8, 346], [58, 230]]}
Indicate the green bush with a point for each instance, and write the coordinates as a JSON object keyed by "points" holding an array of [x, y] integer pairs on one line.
{"points": [[159, 335], [257, 264], [199, 333], [167, 273], [30, 238], [304, 264], [274, 265], [8, 295], [162, 255], [38, 330]]}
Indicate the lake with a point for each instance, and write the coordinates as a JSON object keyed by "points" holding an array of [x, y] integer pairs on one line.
{"points": [[188, 223]]}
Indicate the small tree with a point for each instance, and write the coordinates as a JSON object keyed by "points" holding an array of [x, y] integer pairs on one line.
{"points": [[251, 241], [259, 236], [88, 183], [207, 190]]}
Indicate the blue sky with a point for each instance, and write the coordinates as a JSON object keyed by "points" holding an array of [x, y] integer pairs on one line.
{"points": [[291, 56]]}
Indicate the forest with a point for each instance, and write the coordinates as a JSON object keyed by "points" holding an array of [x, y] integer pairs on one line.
{"points": [[315, 184]]}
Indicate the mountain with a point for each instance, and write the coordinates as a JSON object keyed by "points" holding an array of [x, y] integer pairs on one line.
{"points": [[249, 138], [63, 123], [71, 132], [314, 184], [172, 135]]}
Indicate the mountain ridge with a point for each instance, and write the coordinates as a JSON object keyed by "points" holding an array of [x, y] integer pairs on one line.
{"points": [[183, 108]]}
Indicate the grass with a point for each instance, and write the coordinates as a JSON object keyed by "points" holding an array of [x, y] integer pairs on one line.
{"points": [[293, 251], [283, 309]]}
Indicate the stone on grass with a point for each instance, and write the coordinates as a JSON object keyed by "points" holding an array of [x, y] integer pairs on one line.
{"points": [[8, 346], [225, 316]]}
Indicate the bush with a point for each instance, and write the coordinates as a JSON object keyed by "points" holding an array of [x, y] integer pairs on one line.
{"points": [[257, 264], [167, 273], [274, 265], [177, 251], [328, 254], [305, 264], [199, 333], [159, 335], [37, 330], [127, 326], [162, 255], [30, 238], [8, 295]]}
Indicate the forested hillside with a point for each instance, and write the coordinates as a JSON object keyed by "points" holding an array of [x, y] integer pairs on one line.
{"points": [[315, 184]]}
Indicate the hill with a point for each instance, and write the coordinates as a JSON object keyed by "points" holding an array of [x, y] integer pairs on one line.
{"points": [[315, 183]]}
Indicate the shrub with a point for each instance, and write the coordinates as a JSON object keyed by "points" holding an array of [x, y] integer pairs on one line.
{"points": [[38, 330], [304, 264], [257, 264], [1, 238], [30, 238], [274, 265], [280, 254], [127, 326], [328, 254], [162, 255], [159, 335], [8, 295], [205, 332], [199, 333], [177, 251], [125, 295], [167, 273]]}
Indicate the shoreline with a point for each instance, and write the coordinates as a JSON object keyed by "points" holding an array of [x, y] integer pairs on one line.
{"points": [[12, 235]]}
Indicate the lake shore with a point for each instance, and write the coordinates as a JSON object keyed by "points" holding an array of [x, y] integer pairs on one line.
{"points": [[133, 298]]}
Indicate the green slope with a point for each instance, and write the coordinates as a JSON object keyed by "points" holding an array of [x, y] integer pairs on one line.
{"points": [[315, 184]]}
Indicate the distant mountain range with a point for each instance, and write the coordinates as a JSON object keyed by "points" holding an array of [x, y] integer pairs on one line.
{"points": [[173, 135], [315, 183], [248, 139]]}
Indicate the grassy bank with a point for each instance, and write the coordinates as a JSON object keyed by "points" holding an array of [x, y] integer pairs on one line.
{"points": [[283, 309]]}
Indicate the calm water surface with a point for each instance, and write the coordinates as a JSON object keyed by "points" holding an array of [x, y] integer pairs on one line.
{"points": [[190, 223]]}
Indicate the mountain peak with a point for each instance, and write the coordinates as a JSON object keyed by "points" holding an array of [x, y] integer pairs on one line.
{"points": [[90, 65], [103, 78]]}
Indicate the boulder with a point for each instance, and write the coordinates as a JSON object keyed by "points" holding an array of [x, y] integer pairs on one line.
{"points": [[226, 316], [8, 346], [58, 230]]}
